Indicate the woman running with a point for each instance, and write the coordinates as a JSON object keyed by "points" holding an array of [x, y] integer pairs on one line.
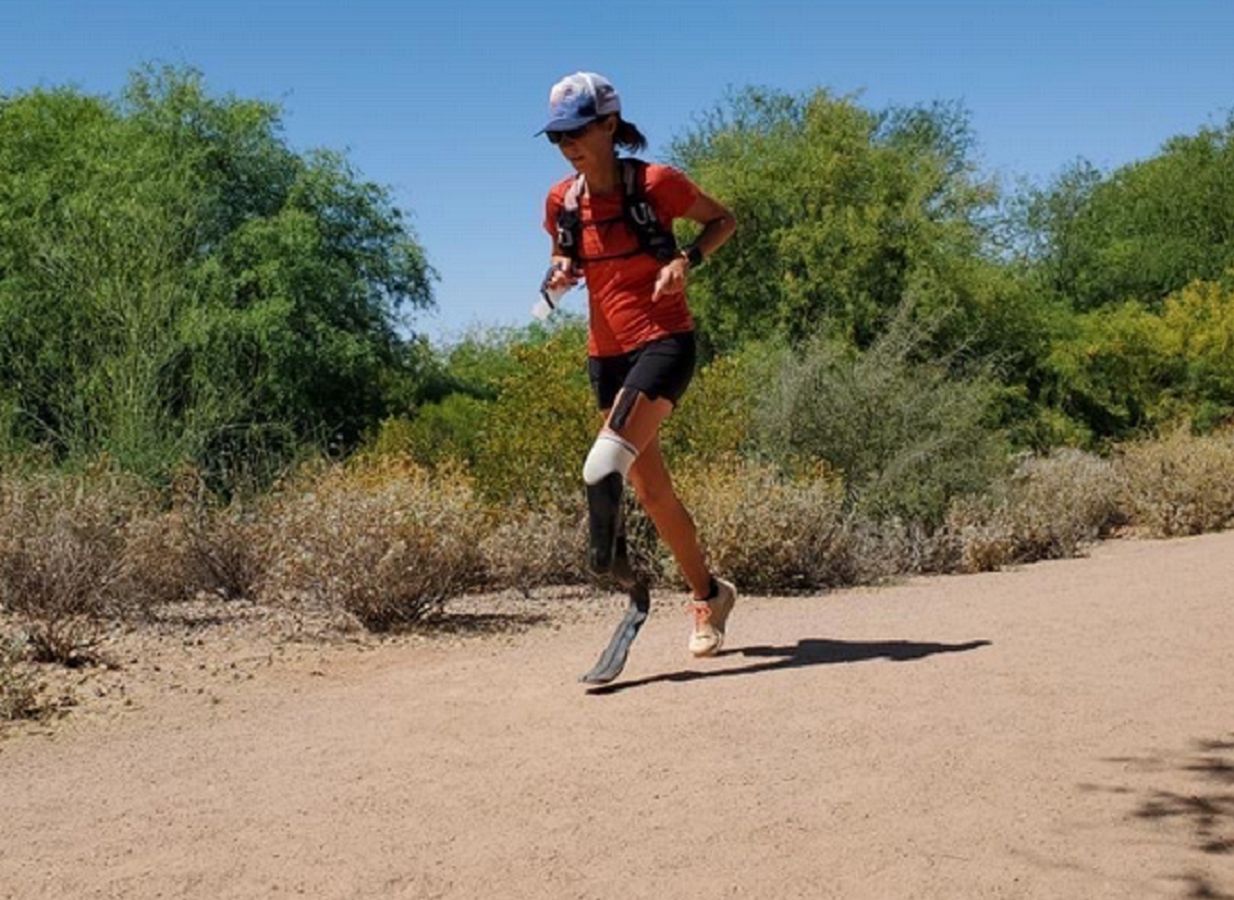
{"points": [[611, 224]]}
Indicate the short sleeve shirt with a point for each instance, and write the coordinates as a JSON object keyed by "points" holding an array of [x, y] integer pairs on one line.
{"points": [[622, 315]]}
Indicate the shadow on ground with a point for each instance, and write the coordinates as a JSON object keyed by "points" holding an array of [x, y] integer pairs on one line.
{"points": [[1202, 815], [808, 652]]}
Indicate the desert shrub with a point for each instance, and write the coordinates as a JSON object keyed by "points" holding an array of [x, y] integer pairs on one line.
{"points": [[714, 419], [63, 564], [1181, 484], [765, 530], [534, 547], [198, 544], [1199, 324], [1115, 373], [1128, 368], [384, 540], [548, 545], [225, 550], [483, 357], [444, 431], [540, 426], [1048, 508], [907, 435], [870, 551], [19, 688]]}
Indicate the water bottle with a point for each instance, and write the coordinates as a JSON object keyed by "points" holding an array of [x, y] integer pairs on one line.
{"points": [[550, 298]]}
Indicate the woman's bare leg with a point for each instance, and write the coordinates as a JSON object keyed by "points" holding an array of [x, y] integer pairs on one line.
{"points": [[642, 422], [654, 488], [713, 597], [650, 479]]}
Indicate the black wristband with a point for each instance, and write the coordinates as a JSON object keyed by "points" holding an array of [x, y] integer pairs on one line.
{"points": [[694, 256]]}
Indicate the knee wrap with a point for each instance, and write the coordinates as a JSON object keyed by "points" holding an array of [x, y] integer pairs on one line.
{"points": [[604, 472], [610, 453]]}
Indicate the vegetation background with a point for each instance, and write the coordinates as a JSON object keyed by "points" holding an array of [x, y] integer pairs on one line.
{"points": [[211, 377]]}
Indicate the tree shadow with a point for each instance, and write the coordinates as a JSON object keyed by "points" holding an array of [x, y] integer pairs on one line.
{"points": [[1204, 813], [1201, 887], [807, 652], [1207, 814]]}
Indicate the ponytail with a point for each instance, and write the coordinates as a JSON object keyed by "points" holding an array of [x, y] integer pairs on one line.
{"points": [[628, 136]]}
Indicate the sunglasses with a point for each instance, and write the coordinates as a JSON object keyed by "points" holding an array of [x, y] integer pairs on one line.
{"points": [[556, 137]]}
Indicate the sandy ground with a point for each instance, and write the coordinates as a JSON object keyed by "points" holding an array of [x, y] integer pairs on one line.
{"points": [[1062, 730]]}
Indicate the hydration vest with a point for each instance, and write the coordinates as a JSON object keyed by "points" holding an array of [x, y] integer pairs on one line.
{"points": [[636, 210]]}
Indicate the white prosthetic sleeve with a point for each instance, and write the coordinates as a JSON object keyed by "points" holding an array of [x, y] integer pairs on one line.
{"points": [[610, 453]]}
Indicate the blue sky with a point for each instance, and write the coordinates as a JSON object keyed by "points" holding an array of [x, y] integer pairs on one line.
{"points": [[439, 101]]}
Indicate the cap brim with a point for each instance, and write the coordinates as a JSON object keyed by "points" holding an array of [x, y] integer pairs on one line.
{"points": [[566, 124]]}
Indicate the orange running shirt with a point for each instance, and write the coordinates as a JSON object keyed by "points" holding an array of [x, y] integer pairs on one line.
{"points": [[622, 316]]}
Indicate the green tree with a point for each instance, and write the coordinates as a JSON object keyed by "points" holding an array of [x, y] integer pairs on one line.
{"points": [[843, 213], [176, 282], [1128, 369], [1142, 231]]}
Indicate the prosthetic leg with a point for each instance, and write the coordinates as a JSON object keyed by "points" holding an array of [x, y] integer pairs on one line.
{"points": [[604, 472], [613, 659]]}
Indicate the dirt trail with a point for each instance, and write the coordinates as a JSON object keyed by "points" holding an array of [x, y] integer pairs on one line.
{"points": [[1062, 730]]}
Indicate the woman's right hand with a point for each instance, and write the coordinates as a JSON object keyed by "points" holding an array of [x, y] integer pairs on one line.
{"points": [[563, 274]]}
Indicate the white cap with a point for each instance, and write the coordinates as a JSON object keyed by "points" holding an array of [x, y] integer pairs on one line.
{"points": [[579, 99]]}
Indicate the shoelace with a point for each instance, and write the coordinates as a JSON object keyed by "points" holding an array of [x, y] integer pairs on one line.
{"points": [[701, 610]]}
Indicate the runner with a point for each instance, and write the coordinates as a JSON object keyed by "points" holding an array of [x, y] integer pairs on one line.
{"points": [[611, 224]]}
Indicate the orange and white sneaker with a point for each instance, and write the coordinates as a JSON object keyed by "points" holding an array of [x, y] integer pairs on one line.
{"points": [[710, 619]]}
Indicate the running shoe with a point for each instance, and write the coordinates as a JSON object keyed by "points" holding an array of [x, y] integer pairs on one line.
{"points": [[711, 618]]}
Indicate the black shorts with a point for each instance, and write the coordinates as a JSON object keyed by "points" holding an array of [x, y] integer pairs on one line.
{"points": [[660, 368]]}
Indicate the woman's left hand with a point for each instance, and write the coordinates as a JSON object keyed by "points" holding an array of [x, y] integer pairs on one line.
{"points": [[672, 278]]}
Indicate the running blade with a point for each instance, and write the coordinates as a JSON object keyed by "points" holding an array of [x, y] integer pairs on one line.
{"points": [[613, 659]]}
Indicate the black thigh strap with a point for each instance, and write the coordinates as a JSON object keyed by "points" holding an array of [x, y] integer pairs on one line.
{"points": [[621, 411]]}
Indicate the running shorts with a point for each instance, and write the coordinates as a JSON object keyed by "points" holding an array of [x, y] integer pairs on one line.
{"points": [[659, 368]]}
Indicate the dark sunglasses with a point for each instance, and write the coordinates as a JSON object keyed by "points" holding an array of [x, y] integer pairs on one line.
{"points": [[556, 137]]}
